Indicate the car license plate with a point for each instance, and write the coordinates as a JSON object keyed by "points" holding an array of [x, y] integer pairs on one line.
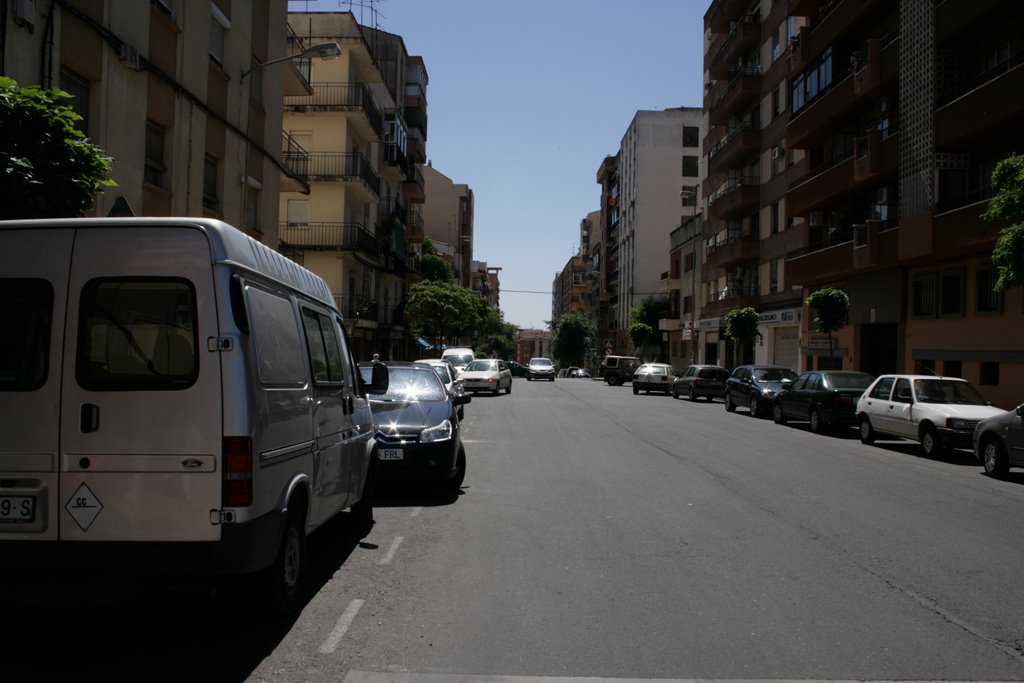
{"points": [[15, 509], [391, 454]]}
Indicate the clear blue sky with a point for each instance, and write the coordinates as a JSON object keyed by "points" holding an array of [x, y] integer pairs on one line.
{"points": [[525, 100]]}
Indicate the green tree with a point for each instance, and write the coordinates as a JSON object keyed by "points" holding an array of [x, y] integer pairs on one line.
{"points": [[497, 337], [573, 335], [1008, 205], [741, 327], [48, 169], [831, 310], [644, 326], [444, 311], [435, 268]]}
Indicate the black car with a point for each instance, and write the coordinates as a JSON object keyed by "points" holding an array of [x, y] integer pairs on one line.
{"points": [[417, 431], [822, 397], [755, 387], [517, 369], [701, 380]]}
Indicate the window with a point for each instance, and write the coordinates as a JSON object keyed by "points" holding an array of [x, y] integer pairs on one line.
{"points": [[774, 277], [952, 368], [988, 300], [691, 136], [924, 295], [689, 195], [989, 373], [25, 333], [577, 278], [951, 300], [902, 393], [690, 166], [776, 222], [687, 304], [154, 165], [883, 388], [298, 213], [211, 198], [276, 336], [137, 334], [688, 261], [252, 207], [78, 88], [777, 101], [324, 349], [219, 25]]}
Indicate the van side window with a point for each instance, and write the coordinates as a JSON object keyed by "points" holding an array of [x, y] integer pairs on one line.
{"points": [[324, 350], [137, 334], [276, 334], [27, 306]]}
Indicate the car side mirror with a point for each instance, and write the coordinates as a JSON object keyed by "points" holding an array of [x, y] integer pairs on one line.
{"points": [[379, 380], [461, 399]]}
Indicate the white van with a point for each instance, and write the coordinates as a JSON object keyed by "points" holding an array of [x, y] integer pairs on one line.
{"points": [[459, 357], [175, 397]]}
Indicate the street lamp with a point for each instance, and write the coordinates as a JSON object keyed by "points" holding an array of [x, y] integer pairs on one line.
{"points": [[325, 51]]}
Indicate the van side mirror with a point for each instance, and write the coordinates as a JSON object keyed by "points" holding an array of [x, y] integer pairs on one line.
{"points": [[1020, 410], [379, 380]]}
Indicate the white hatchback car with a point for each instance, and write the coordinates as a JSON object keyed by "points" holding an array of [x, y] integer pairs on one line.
{"points": [[487, 375], [938, 412]]}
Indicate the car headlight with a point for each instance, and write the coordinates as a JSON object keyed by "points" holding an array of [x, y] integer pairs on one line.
{"points": [[441, 432], [961, 424], [767, 393]]}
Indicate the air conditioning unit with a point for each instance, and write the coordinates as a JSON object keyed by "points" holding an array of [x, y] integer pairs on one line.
{"points": [[816, 219], [127, 53], [778, 152]]}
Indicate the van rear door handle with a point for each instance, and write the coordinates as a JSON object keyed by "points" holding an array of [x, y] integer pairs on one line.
{"points": [[89, 419]]}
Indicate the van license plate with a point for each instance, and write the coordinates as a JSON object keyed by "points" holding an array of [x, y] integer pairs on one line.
{"points": [[391, 454], [15, 509]]}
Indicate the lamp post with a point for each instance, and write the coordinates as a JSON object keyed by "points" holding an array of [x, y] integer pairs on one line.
{"points": [[325, 51]]}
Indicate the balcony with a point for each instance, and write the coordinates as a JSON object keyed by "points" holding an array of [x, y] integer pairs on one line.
{"points": [[875, 245], [355, 307], [741, 143], [822, 187], [736, 250], [879, 72], [414, 226], [724, 301], [743, 88], [739, 194], [956, 19], [959, 227], [875, 158], [414, 187], [329, 237], [395, 156], [839, 21], [342, 97], [987, 103], [815, 121], [744, 35], [722, 13], [296, 159], [828, 259], [352, 169]]}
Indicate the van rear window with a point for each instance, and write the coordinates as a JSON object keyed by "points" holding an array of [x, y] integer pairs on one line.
{"points": [[27, 306], [137, 334]]}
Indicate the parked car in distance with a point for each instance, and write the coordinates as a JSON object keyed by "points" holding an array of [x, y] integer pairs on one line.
{"points": [[700, 380], [653, 377], [449, 377], [415, 427], [581, 373], [822, 397], [487, 374], [755, 386], [618, 369], [517, 369], [938, 412], [540, 368], [999, 442]]}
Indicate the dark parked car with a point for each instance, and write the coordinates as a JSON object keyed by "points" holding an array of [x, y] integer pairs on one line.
{"points": [[517, 369], [755, 386], [999, 442], [618, 369], [822, 397], [417, 431], [701, 380]]}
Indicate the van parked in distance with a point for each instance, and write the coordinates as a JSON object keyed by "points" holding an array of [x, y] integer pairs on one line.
{"points": [[458, 356], [174, 397]]}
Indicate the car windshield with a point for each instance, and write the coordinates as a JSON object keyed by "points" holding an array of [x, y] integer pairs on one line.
{"points": [[482, 366], [441, 372], [947, 391], [408, 384], [848, 380], [542, 362], [773, 374], [459, 361], [652, 370]]}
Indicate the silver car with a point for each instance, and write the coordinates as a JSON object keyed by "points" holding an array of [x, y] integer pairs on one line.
{"points": [[449, 376], [999, 442]]}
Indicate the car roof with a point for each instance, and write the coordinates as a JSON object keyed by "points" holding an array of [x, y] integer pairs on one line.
{"points": [[942, 377]]}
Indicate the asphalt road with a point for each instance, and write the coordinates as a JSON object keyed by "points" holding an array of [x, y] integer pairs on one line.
{"points": [[605, 535]]}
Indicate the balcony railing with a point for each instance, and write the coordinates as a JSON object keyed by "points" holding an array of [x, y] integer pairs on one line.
{"points": [[339, 97], [295, 158], [335, 166], [329, 236], [745, 30], [356, 307]]}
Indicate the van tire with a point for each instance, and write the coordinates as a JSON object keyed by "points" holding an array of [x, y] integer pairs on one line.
{"points": [[285, 580]]}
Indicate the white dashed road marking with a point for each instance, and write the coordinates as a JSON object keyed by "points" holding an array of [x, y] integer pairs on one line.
{"points": [[344, 621], [416, 511], [391, 551]]}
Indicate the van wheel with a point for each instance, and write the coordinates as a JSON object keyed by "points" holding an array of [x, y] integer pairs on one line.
{"points": [[867, 432], [362, 512], [455, 483], [286, 578]]}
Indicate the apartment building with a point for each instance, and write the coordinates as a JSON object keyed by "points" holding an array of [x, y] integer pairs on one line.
{"points": [[683, 284], [593, 251], [746, 228], [185, 97], [448, 221], [353, 229], [533, 343], [568, 288], [485, 282], [646, 189]]}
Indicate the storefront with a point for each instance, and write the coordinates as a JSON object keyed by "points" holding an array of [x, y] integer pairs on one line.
{"points": [[779, 340]]}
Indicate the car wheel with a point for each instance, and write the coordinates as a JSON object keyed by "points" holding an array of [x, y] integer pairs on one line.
{"points": [[508, 389], [552, 378], [455, 483], [462, 413], [817, 426], [777, 415], [285, 579], [755, 410], [636, 390], [675, 393], [930, 443], [993, 458], [729, 405], [867, 432], [693, 395]]}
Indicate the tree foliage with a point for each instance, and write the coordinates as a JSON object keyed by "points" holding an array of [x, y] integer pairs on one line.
{"points": [[644, 325], [48, 168], [574, 334], [444, 311], [741, 326], [435, 267], [1008, 206], [830, 308]]}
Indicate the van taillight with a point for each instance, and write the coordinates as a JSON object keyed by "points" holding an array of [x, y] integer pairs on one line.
{"points": [[237, 460]]}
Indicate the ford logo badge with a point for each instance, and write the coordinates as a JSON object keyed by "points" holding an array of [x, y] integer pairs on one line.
{"points": [[192, 464]]}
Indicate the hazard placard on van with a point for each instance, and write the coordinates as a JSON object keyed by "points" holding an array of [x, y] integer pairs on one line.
{"points": [[83, 507]]}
